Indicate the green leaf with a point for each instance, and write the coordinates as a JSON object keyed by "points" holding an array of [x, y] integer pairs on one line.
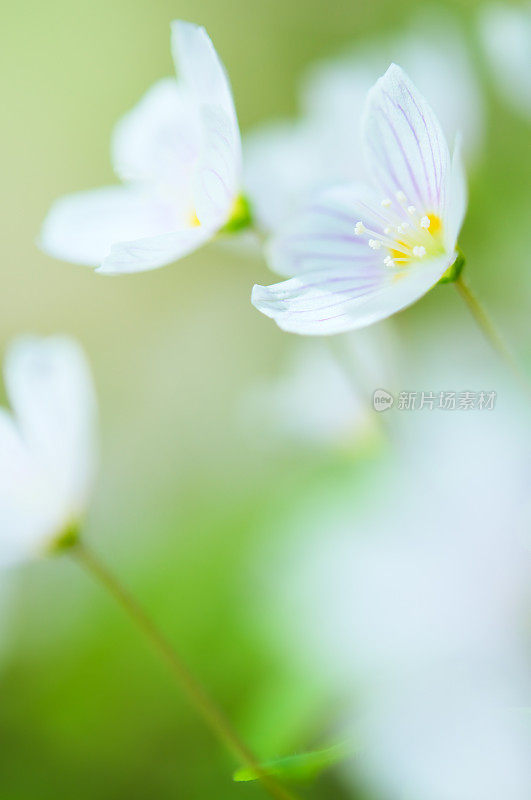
{"points": [[298, 768]]}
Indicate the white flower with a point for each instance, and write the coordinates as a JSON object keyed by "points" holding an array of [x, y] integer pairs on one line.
{"points": [[321, 398], [506, 37], [179, 155], [312, 403], [409, 593], [359, 254], [46, 446], [286, 161]]}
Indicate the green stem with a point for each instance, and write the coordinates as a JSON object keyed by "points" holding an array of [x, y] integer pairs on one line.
{"points": [[490, 332], [205, 706]]}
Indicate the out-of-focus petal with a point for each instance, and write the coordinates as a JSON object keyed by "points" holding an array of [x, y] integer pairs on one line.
{"points": [[82, 227], [29, 509], [47, 449], [469, 719], [435, 54], [506, 35], [331, 301], [457, 198], [285, 162], [50, 390], [154, 251], [158, 140], [312, 403], [405, 145]]}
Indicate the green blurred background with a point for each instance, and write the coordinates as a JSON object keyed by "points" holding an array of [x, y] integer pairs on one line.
{"points": [[184, 498]]}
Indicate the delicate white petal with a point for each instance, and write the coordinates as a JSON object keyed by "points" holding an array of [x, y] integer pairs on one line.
{"points": [[323, 234], [158, 140], [405, 146], [82, 227], [199, 67], [29, 512], [155, 251], [457, 198], [506, 35], [181, 147], [47, 449], [217, 178], [340, 283], [436, 55], [286, 161], [335, 300], [50, 389]]}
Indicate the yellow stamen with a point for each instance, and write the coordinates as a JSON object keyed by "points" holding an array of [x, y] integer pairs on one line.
{"points": [[193, 219], [435, 224]]}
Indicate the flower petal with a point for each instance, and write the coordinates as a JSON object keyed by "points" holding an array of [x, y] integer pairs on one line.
{"points": [[285, 162], [199, 67], [323, 234], [153, 252], [82, 227], [50, 389], [47, 448], [506, 37], [332, 301], [158, 139], [457, 198], [29, 512], [405, 145], [218, 177]]}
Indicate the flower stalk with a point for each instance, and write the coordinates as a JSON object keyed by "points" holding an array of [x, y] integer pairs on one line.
{"points": [[199, 699]]}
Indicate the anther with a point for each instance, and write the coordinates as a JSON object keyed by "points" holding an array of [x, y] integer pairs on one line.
{"points": [[400, 196], [425, 222], [374, 244], [359, 228], [386, 202], [411, 210], [389, 262], [419, 251]]}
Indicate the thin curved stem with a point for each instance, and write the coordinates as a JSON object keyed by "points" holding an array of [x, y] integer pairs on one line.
{"points": [[490, 331], [201, 701]]}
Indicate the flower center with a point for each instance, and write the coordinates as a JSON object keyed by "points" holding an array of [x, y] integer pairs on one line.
{"points": [[408, 236]]}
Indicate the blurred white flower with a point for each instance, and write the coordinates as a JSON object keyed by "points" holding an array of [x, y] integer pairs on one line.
{"points": [[358, 254], [322, 398], [412, 597], [47, 446], [286, 161], [311, 403], [506, 36], [179, 155]]}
